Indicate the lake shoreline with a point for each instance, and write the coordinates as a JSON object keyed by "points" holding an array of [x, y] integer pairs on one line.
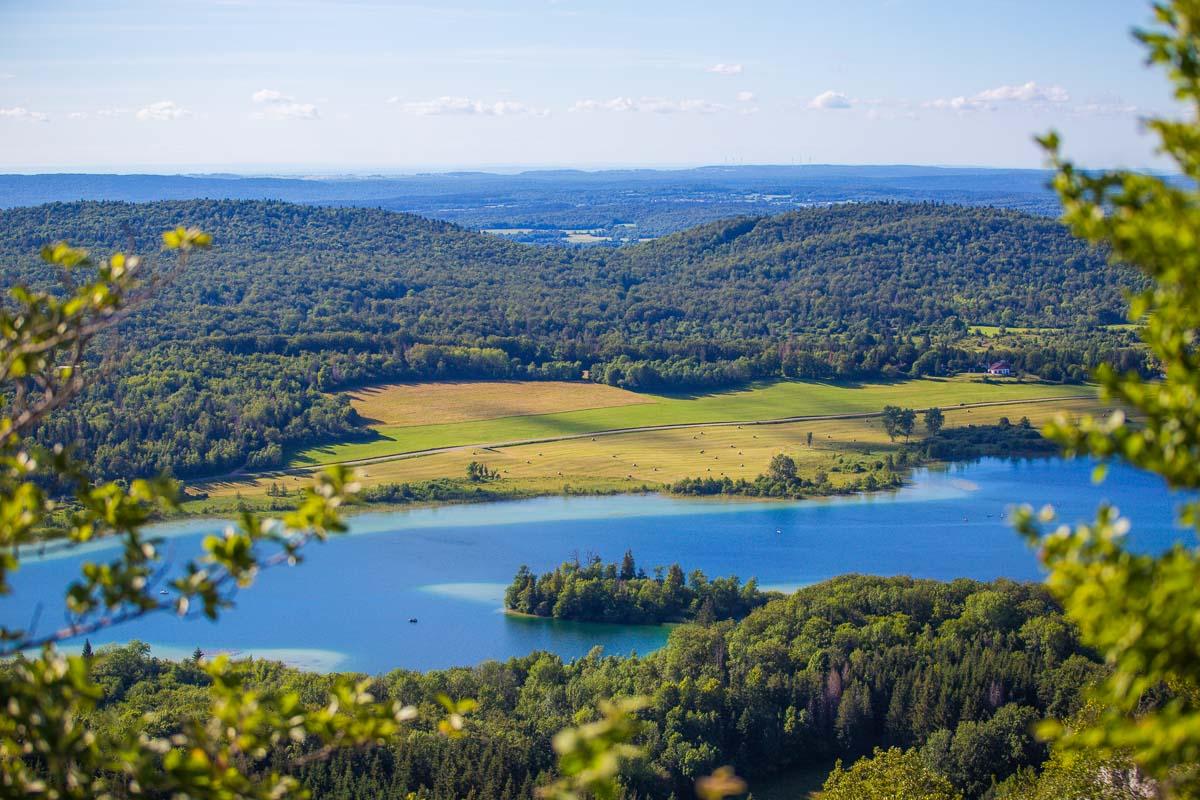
{"points": [[512, 612], [567, 490], [359, 508], [449, 566]]}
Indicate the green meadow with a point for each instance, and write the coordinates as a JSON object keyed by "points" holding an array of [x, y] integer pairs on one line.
{"points": [[759, 402]]}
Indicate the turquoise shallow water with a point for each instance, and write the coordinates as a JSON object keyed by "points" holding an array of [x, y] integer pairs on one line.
{"points": [[348, 605]]}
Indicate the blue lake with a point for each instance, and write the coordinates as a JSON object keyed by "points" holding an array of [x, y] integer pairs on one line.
{"points": [[347, 607]]}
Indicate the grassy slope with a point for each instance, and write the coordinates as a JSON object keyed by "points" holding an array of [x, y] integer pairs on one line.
{"points": [[767, 401], [648, 459], [400, 404]]}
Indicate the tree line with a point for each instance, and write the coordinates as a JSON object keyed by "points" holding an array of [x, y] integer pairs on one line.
{"points": [[592, 591]]}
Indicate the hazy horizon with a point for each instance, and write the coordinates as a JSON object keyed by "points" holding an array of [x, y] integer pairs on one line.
{"points": [[319, 171], [351, 86]]}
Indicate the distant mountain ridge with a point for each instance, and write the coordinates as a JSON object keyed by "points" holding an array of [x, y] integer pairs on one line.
{"points": [[627, 204]]}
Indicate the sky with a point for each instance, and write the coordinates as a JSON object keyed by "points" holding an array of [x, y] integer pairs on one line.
{"points": [[366, 86]]}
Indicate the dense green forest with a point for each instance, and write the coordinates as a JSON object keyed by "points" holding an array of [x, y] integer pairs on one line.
{"points": [[597, 592], [1005, 440], [782, 480], [232, 363], [958, 670]]}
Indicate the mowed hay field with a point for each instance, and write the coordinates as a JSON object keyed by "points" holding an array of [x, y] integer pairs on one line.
{"points": [[405, 404], [450, 414], [652, 458]]}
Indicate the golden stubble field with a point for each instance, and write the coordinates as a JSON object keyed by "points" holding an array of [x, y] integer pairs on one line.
{"points": [[462, 401], [656, 457]]}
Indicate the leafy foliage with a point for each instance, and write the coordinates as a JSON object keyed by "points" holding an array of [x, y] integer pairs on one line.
{"points": [[1079, 773], [782, 468], [1003, 440], [598, 592], [591, 757], [46, 747], [887, 775], [1139, 610], [899, 421], [780, 480], [974, 753]]}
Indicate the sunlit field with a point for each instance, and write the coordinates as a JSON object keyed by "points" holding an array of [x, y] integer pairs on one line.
{"points": [[629, 461], [494, 413], [460, 401]]}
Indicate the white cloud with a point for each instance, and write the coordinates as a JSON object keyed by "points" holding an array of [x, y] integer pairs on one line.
{"points": [[277, 105], [443, 106], [1030, 95], [830, 100], [616, 104], [745, 97], [6, 76], [1029, 92], [653, 105], [726, 69], [162, 111], [954, 104], [270, 96], [19, 112], [77, 115]]}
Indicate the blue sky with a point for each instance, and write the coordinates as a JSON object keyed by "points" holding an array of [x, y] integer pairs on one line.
{"points": [[367, 85]]}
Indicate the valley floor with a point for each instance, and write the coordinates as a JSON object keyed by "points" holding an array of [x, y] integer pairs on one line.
{"points": [[593, 451], [440, 415]]}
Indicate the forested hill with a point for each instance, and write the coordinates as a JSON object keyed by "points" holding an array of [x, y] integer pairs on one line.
{"points": [[289, 269], [895, 264], [228, 366], [279, 268]]}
